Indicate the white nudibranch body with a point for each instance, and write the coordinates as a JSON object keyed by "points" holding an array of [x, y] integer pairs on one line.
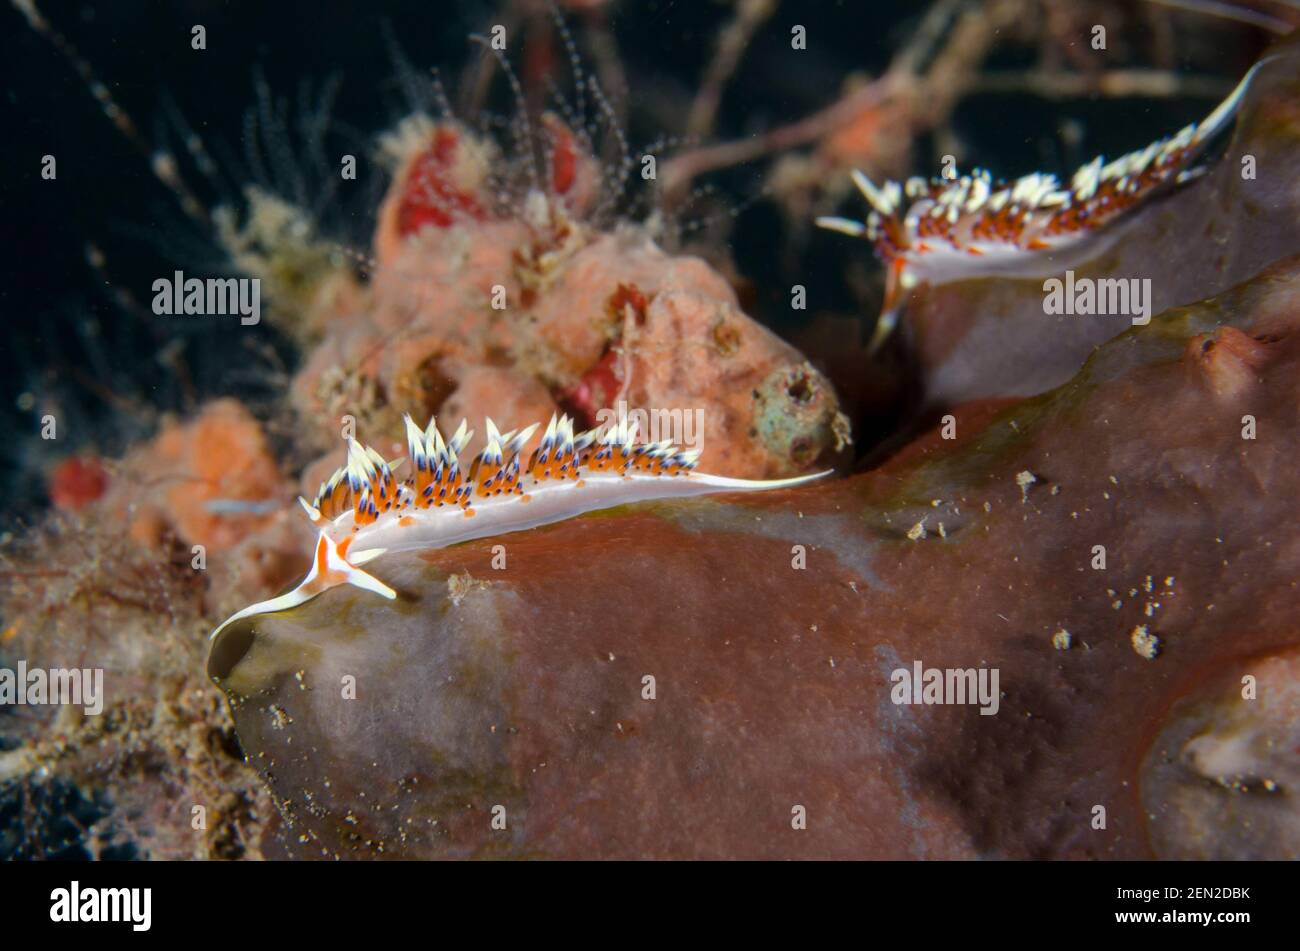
{"points": [[363, 511]]}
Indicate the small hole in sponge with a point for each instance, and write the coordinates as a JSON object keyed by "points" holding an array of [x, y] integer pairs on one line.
{"points": [[229, 648]]}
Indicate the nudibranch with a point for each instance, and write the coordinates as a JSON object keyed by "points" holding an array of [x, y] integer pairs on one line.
{"points": [[933, 231], [363, 511]]}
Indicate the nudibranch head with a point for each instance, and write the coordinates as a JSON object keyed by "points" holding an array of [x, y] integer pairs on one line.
{"points": [[364, 510]]}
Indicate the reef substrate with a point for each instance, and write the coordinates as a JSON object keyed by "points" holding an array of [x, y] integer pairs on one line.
{"points": [[712, 678]]}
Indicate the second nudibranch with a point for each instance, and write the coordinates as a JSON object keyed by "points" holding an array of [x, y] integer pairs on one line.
{"points": [[932, 231], [364, 511]]}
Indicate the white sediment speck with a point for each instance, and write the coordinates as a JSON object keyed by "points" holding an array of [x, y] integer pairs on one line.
{"points": [[1145, 644], [1025, 479]]}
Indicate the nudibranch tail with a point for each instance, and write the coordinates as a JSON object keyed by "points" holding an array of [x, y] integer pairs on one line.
{"points": [[364, 511], [941, 229], [726, 484]]}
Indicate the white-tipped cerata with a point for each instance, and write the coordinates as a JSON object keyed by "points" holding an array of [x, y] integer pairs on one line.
{"points": [[363, 511]]}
